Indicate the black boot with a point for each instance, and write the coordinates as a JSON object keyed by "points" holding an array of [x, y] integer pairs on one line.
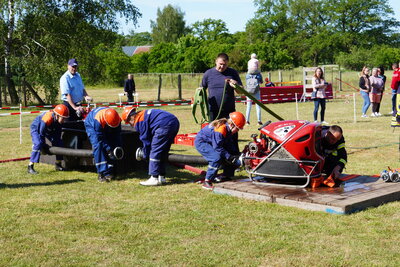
{"points": [[58, 167], [31, 170]]}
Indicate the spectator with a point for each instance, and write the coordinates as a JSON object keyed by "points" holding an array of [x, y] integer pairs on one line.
{"points": [[129, 87], [215, 143], [253, 81], [376, 91], [47, 126], [381, 74], [216, 80], [103, 127], [365, 88], [334, 150], [73, 91], [268, 83], [253, 65], [319, 95], [395, 85], [157, 130]]}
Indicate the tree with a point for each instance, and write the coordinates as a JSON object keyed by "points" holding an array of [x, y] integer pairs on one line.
{"points": [[169, 25], [210, 29], [46, 33], [140, 38]]}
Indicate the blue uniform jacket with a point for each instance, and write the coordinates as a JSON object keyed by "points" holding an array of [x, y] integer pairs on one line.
{"points": [[46, 126], [148, 121], [220, 138], [102, 133]]}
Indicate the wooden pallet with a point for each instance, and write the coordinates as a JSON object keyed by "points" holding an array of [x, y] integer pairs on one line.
{"points": [[353, 195]]}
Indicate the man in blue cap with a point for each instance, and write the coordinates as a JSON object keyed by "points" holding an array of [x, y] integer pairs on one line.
{"points": [[73, 91]]}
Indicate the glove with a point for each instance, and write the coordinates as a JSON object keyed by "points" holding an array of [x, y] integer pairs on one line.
{"points": [[118, 153], [139, 154], [45, 149], [235, 161]]}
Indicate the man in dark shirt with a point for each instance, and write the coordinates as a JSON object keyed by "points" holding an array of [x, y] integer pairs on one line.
{"points": [[129, 87], [334, 150], [214, 80]]}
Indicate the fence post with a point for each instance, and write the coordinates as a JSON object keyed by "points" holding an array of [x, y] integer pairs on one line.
{"points": [[24, 90], [340, 80], [280, 77], [1, 89], [180, 87], [269, 76], [159, 87]]}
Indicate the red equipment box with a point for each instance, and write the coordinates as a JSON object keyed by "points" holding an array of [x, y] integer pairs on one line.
{"points": [[185, 139]]}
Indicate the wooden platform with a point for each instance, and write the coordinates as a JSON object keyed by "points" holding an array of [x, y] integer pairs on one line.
{"points": [[353, 195]]}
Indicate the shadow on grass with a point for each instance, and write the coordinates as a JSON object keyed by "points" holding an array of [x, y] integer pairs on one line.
{"points": [[58, 182]]}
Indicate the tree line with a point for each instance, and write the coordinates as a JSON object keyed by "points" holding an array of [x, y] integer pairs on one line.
{"points": [[40, 36]]}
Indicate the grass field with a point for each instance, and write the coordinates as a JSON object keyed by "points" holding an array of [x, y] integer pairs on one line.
{"points": [[69, 219]]}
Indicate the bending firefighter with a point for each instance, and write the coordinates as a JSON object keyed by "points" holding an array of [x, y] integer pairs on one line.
{"points": [[216, 144], [157, 130], [103, 127], [47, 125], [334, 149]]}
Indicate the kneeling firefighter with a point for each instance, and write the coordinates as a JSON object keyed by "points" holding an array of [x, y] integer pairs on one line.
{"points": [[216, 143], [47, 125], [157, 130], [103, 127]]}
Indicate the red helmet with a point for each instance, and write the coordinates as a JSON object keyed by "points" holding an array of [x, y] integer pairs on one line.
{"points": [[128, 111], [238, 119], [112, 118], [61, 110]]}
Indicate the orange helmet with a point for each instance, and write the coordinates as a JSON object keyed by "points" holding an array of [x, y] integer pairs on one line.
{"points": [[61, 110], [112, 118], [128, 111], [238, 119]]}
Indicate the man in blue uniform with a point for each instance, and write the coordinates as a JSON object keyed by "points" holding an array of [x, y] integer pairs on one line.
{"points": [[103, 127], [216, 144], [47, 125], [157, 130]]}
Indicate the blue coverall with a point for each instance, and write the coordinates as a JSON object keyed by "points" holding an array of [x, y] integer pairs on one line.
{"points": [[45, 126], [103, 139], [157, 130], [216, 145]]}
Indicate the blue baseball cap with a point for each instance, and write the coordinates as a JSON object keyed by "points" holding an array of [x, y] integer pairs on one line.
{"points": [[72, 62]]}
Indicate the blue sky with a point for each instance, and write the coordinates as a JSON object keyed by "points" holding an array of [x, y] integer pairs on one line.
{"points": [[235, 13]]}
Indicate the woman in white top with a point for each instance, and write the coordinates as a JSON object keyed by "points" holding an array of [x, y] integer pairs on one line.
{"points": [[319, 95]]}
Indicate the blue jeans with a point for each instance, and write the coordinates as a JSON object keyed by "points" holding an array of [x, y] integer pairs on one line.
{"points": [[394, 92], [367, 102], [249, 104], [317, 102]]}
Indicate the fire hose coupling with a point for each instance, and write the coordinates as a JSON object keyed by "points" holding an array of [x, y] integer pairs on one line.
{"points": [[139, 154], [390, 176], [116, 154]]}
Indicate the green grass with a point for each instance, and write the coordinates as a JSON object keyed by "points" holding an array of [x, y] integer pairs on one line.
{"points": [[64, 219]]}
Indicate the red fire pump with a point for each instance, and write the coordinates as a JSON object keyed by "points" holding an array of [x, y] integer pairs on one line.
{"points": [[286, 153]]}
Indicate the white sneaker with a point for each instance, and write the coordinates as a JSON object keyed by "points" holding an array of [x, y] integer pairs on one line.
{"points": [[378, 114], [364, 116], [372, 114], [152, 181], [325, 122], [161, 179]]}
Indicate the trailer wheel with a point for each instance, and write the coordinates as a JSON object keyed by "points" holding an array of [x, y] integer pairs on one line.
{"points": [[385, 176], [395, 177]]}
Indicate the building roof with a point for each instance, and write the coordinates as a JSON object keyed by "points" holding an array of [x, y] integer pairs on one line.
{"points": [[133, 50]]}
